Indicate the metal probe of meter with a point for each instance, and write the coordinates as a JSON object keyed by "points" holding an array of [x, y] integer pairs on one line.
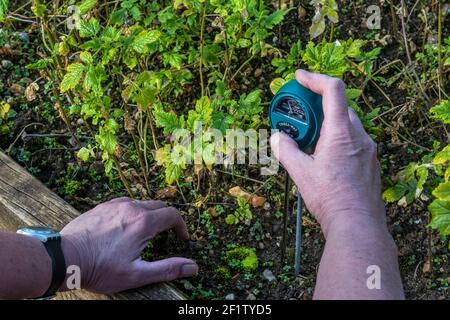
{"points": [[296, 111]]}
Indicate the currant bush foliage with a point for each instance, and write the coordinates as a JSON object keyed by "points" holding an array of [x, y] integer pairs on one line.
{"points": [[428, 178]]}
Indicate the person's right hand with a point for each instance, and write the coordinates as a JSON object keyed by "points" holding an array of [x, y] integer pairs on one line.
{"points": [[340, 182]]}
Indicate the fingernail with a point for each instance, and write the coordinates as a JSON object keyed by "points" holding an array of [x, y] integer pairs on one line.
{"points": [[190, 269]]}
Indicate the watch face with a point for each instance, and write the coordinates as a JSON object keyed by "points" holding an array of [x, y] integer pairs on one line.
{"points": [[41, 233]]}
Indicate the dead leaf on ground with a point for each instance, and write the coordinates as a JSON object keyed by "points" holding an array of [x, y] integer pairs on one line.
{"points": [[16, 89], [167, 193], [30, 92], [426, 267], [254, 200]]}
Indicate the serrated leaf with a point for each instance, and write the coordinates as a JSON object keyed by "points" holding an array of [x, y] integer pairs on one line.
{"points": [[173, 59], [143, 39], [72, 77], [173, 173], [86, 5], [86, 57], [107, 141], [441, 112], [395, 193], [276, 84], [442, 192], [443, 156], [89, 29], [440, 211], [274, 19], [169, 121]]}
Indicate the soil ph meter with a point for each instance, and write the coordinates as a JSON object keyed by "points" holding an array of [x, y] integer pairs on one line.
{"points": [[296, 111]]}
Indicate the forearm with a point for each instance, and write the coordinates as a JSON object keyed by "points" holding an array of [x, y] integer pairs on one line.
{"points": [[26, 267], [353, 244]]}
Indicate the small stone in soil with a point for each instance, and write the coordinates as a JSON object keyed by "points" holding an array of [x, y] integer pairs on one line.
{"points": [[229, 296], [251, 296], [261, 245], [268, 275]]}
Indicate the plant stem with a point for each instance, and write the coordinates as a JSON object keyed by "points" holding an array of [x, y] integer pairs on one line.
{"points": [[141, 160], [202, 31], [439, 49], [394, 19], [122, 176]]}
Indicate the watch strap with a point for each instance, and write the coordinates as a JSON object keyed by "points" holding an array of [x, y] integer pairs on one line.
{"points": [[54, 250]]}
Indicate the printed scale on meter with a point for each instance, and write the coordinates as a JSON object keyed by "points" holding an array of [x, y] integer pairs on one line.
{"points": [[291, 109]]}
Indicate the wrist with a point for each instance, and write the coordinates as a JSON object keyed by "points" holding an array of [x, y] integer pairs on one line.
{"points": [[72, 257], [354, 220]]}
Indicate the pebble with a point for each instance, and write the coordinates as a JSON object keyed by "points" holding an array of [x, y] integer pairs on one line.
{"points": [[229, 296], [267, 206], [268, 275], [251, 296], [261, 245], [6, 63], [23, 36]]}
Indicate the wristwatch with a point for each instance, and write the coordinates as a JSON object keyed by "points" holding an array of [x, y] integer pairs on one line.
{"points": [[52, 242]]}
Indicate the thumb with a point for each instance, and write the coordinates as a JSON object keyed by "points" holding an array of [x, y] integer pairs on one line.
{"points": [[288, 153], [164, 270]]}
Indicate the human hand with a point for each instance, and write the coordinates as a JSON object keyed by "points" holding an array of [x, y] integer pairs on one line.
{"points": [[106, 243], [341, 181]]}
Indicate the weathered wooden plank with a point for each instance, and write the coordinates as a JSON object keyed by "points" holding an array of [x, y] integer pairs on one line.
{"points": [[25, 201]]}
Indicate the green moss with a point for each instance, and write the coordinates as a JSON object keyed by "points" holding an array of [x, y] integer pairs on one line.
{"points": [[242, 259], [223, 273]]}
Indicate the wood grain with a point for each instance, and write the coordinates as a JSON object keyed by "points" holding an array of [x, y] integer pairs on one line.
{"points": [[25, 201]]}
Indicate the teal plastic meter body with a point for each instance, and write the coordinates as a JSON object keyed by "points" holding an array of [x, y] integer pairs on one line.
{"points": [[297, 111]]}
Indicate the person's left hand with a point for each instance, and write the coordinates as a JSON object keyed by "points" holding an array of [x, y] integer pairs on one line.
{"points": [[106, 243]]}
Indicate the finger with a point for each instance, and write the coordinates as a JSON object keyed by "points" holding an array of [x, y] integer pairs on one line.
{"points": [[288, 153], [356, 122], [165, 219], [150, 204], [164, 270], [120, 200], [332, 90]]}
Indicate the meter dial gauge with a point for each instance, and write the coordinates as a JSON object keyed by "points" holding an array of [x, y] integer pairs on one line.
{"points": [[293, 109]]}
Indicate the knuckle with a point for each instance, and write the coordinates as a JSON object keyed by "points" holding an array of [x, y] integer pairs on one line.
{"points": [[336, 84]]}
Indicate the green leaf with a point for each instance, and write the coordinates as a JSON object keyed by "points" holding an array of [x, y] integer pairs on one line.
{"points": [[353, 47], [274, 19], [442, 192], [231, 219], [276, 84], [107, 141], [422, 173], [441, 112], [3, 7], [173, 59], [167, 120], [85, 153], [440, 211], [443, 156], [39, 9], [173, 173], [353, 93], [86, 57], [204, 110], [89, 29], [86, 5], [72, 77], [395, 193], [143, 39], [40, 64]]}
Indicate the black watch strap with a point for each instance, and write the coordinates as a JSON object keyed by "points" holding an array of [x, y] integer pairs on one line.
{"points": [[54, 250]]}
